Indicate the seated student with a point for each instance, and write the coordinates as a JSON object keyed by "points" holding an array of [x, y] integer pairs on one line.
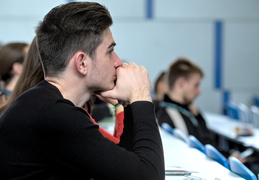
{"points": [[32, 74], [11, 59], [46, 134], [177, 108]]}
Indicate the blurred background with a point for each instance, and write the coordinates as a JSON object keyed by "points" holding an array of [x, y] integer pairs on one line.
{"points": [[222, 37]]}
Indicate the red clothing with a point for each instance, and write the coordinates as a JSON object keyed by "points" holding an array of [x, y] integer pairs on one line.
{"points": [[119, 125], [118, 129]]}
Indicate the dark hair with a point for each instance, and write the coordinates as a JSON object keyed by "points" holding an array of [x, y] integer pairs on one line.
{"points": [[160, 78], [9, 54], [67, 29], [181, 67]]}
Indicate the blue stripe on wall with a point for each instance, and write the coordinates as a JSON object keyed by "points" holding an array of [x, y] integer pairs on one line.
{"points": [[218, 55], [149, 9], [226, 96], [225, 99]]}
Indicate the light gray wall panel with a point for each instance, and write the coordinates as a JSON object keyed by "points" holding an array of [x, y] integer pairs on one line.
{"points": [[27, 7], [241, 55], [209, 101], [17, 31], [245, 97], [125, 9], [206, 9]]}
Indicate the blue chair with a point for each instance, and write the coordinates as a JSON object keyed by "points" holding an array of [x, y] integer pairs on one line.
{"points": [[232, 110], [180, 135], [176, 132], [240, 169], [167, 128], [244, 113], [256, 101], [195, 143], [255, 116], [214, 154]]}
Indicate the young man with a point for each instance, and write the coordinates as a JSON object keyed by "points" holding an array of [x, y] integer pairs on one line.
{"points": [[177, 109], [45, 134]]}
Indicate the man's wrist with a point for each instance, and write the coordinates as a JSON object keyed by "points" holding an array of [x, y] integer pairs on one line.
{"points": [[117, 105]]}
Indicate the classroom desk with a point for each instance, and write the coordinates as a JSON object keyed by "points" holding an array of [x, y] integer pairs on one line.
{"points": [[224, 126], [178, 154]]}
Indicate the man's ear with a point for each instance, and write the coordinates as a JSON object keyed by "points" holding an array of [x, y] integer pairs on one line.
{"points": [[181, 81], [80, 60]]}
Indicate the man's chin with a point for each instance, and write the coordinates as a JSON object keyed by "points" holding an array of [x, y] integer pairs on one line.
{"points": [[104, 89]]}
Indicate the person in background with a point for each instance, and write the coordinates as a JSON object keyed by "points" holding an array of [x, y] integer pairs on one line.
{"points": [[46, 134], [177, 108], [11, 59], [160, 89], [30, 75]]}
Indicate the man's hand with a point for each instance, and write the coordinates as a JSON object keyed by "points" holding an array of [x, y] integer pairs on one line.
{"points": [[133, 84], [108, 100]]}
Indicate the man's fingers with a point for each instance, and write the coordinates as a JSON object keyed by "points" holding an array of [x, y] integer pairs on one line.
{"points": [[108, 94]]}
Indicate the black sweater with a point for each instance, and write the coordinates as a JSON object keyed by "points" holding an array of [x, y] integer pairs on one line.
{"points": [[44, 136], [201, 132]]}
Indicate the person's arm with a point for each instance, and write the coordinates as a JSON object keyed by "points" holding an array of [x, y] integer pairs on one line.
{"points": [[78, 142], [119, 118], [119, 121]]}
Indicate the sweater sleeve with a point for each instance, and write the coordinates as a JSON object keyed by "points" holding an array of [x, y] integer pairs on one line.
{"points": [[140, 159], [147, 141]]}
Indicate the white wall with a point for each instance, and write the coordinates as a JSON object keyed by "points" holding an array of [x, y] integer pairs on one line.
{"points": [[177, 28]]}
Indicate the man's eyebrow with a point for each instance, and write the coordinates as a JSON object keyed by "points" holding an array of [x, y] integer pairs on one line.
{"points": [[112, 45]]}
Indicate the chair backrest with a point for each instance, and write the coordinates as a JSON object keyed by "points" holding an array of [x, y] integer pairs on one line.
{"points": [[168, 128], [176, 132], [195, 143], [240, 169], [244, 113], [179, 134], [255, 116], [256, 100], [232, 110], [214, 154]]}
